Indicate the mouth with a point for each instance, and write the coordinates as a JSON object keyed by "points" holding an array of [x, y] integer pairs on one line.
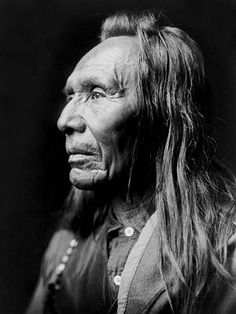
{"points": [[79, 151], [84, 162], [83, 155], [79, 157]]}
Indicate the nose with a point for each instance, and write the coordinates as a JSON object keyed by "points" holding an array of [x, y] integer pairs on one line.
{"points": [[70, 119]]}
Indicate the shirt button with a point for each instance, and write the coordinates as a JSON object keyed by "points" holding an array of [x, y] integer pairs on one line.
{"points": [[129, 231], [117, 280]]}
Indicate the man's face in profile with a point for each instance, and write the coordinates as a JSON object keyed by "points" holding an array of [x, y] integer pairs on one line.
{"points": [[97, 117]]}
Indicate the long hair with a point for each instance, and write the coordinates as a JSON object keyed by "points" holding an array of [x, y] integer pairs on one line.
{"points": [[193, 192]]}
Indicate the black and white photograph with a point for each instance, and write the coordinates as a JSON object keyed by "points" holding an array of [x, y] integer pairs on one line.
{"points": [[118, 157]]}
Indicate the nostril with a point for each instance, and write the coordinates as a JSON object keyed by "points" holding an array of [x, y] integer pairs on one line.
{"points": [[81, 126], [70, 120], [64, 127], [77, 123], [67, 131]]}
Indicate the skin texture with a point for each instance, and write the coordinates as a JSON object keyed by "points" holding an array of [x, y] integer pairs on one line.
{"points": [[98, 119]]}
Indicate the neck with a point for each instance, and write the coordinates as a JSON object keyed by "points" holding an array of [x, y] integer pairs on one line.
{"points": [[124, 203]]}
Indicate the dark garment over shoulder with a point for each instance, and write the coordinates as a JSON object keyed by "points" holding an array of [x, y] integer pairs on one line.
{"points": [[85, 285], [88, 284]]}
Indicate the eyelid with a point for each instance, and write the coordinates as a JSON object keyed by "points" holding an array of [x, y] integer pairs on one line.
{"points": [[70, 94], [99, 90]]}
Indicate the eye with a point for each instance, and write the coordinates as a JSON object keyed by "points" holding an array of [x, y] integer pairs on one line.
{"points": [[97, 93]]}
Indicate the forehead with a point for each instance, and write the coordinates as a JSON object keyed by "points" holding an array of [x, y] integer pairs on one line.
{"points": [[105, 60]]}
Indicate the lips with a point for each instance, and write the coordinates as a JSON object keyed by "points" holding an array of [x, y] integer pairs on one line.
{"points": [[79, 151], [87, 149], [82, 155], [85, 162], [78, 158]]}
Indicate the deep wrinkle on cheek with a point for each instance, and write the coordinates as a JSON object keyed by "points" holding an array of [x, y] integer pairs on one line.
{"points": [[120, 155]]}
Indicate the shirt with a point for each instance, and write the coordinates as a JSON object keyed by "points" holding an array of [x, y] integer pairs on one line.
{"points": [[142, 288], [90, 282]]}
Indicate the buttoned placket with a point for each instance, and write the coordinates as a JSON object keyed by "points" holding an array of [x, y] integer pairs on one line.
{"points": [[122, 239]]}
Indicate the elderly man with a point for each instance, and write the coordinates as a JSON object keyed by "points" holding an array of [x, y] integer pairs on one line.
{"points": [[148, 225]]}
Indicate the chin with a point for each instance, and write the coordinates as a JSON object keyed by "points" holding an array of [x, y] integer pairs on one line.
{"points": [[88, 179]]}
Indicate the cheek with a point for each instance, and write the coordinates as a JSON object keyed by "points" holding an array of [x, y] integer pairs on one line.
{"points": [[116, 146], [114, 128], [109, 120]]}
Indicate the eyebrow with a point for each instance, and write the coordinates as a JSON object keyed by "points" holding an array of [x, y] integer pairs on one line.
{"points": [[92, 81]]}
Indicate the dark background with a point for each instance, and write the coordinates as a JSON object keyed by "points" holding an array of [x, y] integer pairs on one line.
{"points": [[40, 41]]}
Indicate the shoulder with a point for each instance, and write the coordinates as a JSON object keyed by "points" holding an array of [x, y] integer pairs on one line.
{"points": [[57, 245], [59, 241], [56, 249]]}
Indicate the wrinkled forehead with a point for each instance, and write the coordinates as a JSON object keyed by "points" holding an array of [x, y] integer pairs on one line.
{"points": [[112, 57], [122, 46]]}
